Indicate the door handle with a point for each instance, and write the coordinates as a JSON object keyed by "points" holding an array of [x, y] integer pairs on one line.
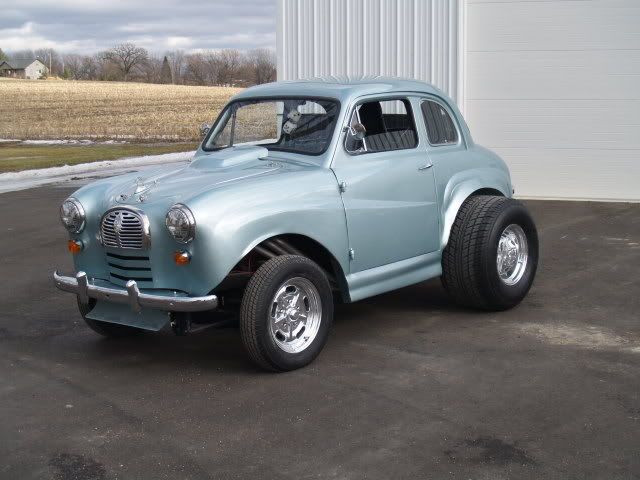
{"points": [[426, 166]]}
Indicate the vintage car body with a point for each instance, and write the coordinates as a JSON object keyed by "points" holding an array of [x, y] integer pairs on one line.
{"points": [[375, 222]]}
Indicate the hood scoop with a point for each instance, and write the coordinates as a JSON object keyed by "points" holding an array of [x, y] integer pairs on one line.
{"points": [[229, 157]]}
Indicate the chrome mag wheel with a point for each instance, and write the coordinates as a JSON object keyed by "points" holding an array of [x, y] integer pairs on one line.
{"points": [[512, 255], [295, 315]]}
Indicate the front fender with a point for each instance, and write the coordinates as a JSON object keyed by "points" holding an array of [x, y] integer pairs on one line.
{"points": [[231, 222]]}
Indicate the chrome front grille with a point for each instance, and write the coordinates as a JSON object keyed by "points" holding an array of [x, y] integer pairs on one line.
{"points": [[124, 228]]}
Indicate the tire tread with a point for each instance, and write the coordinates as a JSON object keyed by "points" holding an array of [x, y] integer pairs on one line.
{"points": [[462, 258]]}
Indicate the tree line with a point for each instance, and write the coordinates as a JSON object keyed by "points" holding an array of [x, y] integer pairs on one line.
{"points": [[129, 62]]}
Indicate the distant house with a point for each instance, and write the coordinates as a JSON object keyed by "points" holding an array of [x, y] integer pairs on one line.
{"points": [[21, 68]]}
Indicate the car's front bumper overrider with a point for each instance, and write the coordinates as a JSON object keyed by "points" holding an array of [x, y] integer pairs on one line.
{"points": [[131, 295]]}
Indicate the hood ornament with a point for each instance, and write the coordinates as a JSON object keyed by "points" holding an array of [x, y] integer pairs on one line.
{"points": [[140, 186], [141, 190]]}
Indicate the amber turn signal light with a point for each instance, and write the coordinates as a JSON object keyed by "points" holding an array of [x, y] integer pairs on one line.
{"points": [[74, 246], [181, 257]]}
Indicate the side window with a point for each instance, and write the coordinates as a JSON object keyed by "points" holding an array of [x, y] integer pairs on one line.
{"points": [[440, 127], [389, 126]]}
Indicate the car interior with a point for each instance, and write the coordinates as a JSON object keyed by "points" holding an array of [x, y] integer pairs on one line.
{"points": [[394, 130], [307, 126]]}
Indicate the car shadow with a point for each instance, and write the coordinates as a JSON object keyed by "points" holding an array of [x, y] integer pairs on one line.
{"points": [[221, 348]]}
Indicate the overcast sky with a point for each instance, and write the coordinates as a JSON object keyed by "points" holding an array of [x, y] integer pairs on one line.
{"points": [[87, 26]]}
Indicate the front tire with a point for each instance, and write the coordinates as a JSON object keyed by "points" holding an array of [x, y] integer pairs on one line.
{"points": [[286, 313], [491, 258], [106, 329]]}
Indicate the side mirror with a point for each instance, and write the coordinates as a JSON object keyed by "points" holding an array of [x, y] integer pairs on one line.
{"points": [[204, 129], [358, 131]]}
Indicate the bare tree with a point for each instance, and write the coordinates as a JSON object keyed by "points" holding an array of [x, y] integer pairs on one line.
{"points": [[196, 69], [262, 63], [126, 57], [52, 59], [131, 63], [22, 54], [229, 62], [177, 63], [212, 66], [73, 66], [90, 68], [107, 70], [151, 70]]}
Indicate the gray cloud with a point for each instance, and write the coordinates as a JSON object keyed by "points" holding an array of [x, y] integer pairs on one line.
{"points": [[87, 26]]}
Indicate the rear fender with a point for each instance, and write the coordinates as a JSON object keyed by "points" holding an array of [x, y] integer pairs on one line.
{"points": [[466, 184]]}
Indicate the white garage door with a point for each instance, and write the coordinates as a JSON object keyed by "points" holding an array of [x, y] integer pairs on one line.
{"points": [[554, 87]]}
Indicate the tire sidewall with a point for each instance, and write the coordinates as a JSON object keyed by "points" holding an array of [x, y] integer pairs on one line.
{"points": [[509, 295], [281, 360]]}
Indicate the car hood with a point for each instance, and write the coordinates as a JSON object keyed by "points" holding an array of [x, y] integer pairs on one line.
{"points": [[168, 185]]}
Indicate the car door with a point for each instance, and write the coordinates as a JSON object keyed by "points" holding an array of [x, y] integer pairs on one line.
{"points": [[387, 184]]}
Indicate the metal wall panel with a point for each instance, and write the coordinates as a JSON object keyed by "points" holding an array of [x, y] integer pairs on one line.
{"points": [[405, 38], [554, 88]]}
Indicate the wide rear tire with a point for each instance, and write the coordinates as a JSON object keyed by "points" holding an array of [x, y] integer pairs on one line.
{"points": [[491, 258]]}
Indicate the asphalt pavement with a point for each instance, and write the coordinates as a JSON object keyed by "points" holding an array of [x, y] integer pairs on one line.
{"points": [[409, 386]]}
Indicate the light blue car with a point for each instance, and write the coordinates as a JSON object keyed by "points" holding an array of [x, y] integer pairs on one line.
{"points": [[301, 194]]}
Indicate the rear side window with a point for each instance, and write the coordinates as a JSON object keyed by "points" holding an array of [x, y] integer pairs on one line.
{"points": [[440, 127], [389, 126]]}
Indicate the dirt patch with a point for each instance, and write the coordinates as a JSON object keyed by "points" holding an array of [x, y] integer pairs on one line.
{"points": [[586, 336]]}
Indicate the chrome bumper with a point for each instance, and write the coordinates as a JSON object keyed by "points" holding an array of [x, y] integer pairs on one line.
{"points": [[84, 290]]}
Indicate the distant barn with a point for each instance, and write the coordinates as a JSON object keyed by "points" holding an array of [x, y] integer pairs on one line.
{"points": [[21, 68]]}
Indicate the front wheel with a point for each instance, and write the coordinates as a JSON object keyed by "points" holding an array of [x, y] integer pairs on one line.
{"points": [[491, 258], [286, 313]]}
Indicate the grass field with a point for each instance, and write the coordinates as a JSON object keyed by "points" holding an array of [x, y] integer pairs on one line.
{"points": [[25, 157], [106, 110]]}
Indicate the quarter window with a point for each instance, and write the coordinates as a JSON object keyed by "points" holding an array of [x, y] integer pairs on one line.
{"points": [[440, 127], [389, 126]]}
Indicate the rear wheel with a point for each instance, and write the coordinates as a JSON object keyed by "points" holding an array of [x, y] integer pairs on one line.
{"points": [[106, 329], [286, 313], [492, 255]]}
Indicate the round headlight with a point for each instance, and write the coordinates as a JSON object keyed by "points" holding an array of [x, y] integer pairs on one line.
{"points": [[72, 215], [181, 223]]}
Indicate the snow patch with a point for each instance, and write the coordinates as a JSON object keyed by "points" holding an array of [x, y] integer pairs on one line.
{"points": [[66, 141], [13, 181]]}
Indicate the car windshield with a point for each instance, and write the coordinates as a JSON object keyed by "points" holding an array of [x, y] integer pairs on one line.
{"points": [[297, 125]]}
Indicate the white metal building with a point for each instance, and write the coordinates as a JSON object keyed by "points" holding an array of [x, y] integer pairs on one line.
{"points": [[552, 86]]}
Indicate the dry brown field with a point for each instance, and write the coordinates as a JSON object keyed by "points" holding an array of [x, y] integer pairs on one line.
{"points": [[31, 109]]}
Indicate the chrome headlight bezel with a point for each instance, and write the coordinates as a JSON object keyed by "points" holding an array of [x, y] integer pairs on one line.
{"points": [[77, 218], [188, 224]]}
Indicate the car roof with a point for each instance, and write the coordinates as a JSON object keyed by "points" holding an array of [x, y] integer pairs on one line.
{"points": [[343, 88]]}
